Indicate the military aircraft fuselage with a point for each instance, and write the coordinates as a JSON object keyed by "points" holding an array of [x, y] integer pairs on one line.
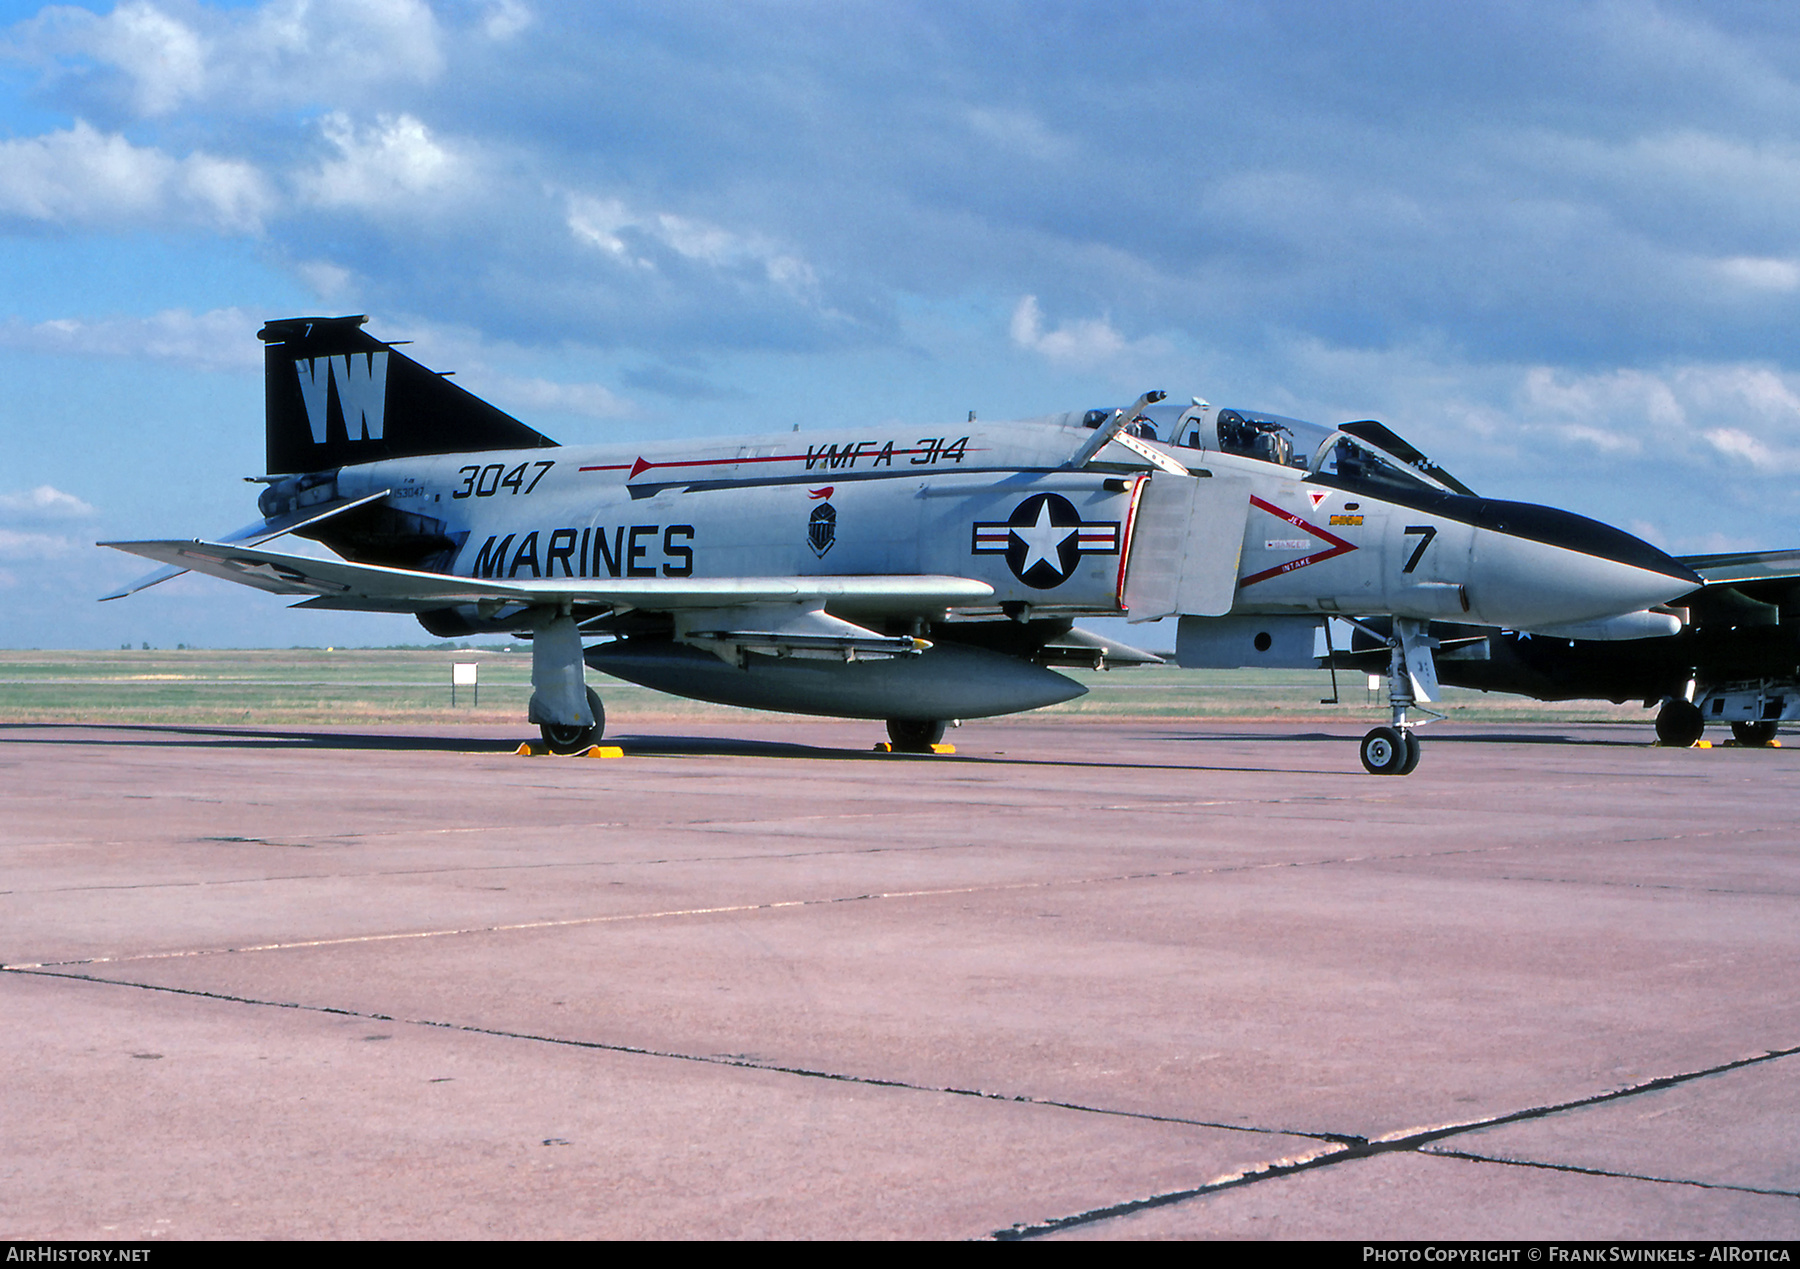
{"points": [[995, 503]]}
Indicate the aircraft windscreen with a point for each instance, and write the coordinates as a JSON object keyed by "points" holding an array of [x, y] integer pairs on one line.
{"points": [[1355, 464]]}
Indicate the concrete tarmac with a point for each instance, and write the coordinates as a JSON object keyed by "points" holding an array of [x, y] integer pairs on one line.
{"points": [[1081, 980]]}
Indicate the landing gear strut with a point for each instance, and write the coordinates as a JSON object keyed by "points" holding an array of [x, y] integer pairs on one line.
{"points": [[1394, 749], [566, 710]]}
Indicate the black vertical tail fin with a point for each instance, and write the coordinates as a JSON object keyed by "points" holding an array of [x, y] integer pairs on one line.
{"points": [[336, 396]]}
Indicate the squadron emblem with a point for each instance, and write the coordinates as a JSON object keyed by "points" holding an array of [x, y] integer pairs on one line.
{"points": [[821, 529], [1044, 538]]}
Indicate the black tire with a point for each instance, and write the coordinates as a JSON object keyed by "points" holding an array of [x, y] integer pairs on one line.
{"points": [[566, 739], [1760, 732], [914, 735], [1680, 724], [1384, 751], [1413, 753]]}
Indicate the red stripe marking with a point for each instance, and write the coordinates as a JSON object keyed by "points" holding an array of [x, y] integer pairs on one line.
{"points": [[1339, 546], [643, 464]]}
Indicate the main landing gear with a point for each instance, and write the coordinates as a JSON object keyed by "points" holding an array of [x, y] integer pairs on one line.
{"points": [[566, 710], [1679, 723], [915, 735], [1760, 732], [1394, 749], [568, 738]]}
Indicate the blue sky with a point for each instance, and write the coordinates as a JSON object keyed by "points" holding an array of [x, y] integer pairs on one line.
{"points": [[1555, 245]]}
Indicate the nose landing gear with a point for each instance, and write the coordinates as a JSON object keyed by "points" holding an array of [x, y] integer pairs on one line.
{"points": [[1394, 749]]}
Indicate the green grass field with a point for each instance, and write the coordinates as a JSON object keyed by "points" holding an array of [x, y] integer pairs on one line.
{"points": [[324, 687]]}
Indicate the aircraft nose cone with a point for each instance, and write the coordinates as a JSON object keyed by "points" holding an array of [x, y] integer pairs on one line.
{"points": [[1539, 566]]}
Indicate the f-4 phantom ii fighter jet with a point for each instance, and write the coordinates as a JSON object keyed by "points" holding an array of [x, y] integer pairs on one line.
{"points": [[872, 572]]}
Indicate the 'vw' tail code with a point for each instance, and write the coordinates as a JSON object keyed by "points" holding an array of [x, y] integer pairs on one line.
{"points": [[361, 380]]}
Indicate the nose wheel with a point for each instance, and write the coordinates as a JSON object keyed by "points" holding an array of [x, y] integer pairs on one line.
{"points": [[1390, 751]]}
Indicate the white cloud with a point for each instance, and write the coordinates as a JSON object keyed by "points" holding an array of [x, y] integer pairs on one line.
{"points": [[1760, 273], [1737, 443], [46, 502], [1021, 131], [386, 166], [280, 54], [506, 18], [327, 280], [611, 226], [165, 59], [1748, 415], [222, 339], [84, 178], [589, 399], [15, 545], [1081, 344]]}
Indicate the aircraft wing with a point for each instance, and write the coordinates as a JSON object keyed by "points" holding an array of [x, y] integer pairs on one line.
{"points": [[372, 587], [1745, 566]]}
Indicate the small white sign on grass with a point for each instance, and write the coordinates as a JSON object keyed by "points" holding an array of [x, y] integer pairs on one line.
{"points": [[465, 674]]}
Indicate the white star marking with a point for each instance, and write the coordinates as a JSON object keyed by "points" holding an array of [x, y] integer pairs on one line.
{"points": [[1043, 541]]}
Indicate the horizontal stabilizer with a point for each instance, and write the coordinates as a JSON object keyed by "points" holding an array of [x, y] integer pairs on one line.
{"points": [[383, 589], [250, 535]]}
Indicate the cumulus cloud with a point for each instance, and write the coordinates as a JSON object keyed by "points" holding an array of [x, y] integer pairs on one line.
{"points": [[149, 59], [1082, 344], [626, 235], [588, 399], [393, 164], [83, 178], [46, 502], [16, 545], [1761, 273], [222, 339], [505, 19], [1746, 415]]}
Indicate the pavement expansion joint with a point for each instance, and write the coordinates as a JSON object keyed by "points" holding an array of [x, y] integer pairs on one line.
{"points": [[739, 1061], [1334, 1148], [1412, 1142], [1606, 1172], [728, 909]]}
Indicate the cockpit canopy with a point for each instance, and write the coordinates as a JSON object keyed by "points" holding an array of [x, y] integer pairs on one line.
{"points": [[1364, 455]]}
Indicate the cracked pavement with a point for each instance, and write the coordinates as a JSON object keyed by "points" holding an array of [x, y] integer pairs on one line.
{"points": [[1082, 980]]}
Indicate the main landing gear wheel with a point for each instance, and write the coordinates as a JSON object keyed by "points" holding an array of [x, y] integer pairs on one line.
{"points": [[1390, 751], [1760, 732], [1680, 724], [914, 735], [572, 737]]}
